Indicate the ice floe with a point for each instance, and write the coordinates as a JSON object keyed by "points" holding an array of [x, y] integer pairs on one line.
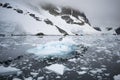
{"points": [[40, 78], [8, 70], [72, 60], [66, 46], [34, 74], [117, 77], [57, 68], [29, 78], [81, 72]]}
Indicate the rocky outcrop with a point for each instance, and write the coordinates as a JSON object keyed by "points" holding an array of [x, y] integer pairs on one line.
{"points": [[67, 19], [19, 11], [117, 31], [71, 21], [35, 17], [109, 28], [65, 12], [1, 4], [51, 8], [62, 31], [47, 21], [40, 34], [6, 5], [97, 28]]}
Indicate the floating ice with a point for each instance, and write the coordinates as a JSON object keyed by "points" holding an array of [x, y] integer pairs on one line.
{"points": [[72, 60], [65, 46], [81, 72], [117, 77], [40, 78], [57, 68], [8, 70]]}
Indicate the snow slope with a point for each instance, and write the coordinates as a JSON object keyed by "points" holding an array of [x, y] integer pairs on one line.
{"points": [[48, 19]]}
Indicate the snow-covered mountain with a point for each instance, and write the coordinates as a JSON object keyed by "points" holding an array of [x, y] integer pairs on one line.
{"points": [[49, 19]]}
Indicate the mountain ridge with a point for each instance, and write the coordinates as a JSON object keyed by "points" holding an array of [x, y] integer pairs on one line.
{"points": [[62, 21]]}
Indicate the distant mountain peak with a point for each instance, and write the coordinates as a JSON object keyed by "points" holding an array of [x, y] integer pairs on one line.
{"points": [[53, 20]]}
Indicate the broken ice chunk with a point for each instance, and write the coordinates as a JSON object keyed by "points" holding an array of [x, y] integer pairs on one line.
{"points": [[34, 74], [57, 68], [117, 77], [40, 78], [8, 70], [81, 72], [72, 60]]}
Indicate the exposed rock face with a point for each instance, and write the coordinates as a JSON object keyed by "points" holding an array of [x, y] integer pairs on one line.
{"points": [[47, 21], [65, 13], [109, 28], [32, 15], [40, 34], [9, 7], [51, 8], [35, 17], [1, 4], [62, 31], [6, 5], [74, 13], [97, 28], [71, 21], [117, 31], [18, 10], [67, 19]]}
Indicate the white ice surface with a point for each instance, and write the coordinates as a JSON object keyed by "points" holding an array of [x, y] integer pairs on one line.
{"points": [[40, 78], [57, 68], [66, 46], [117, 77], [81, 72], [8, 70], [34, 74]]}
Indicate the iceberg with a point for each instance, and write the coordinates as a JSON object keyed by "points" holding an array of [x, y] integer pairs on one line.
{"points": [[54, 48]]}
